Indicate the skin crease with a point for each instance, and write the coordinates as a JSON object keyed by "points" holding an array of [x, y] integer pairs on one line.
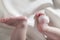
{"points": [[52, 33], [19, 33], [20, 24]]}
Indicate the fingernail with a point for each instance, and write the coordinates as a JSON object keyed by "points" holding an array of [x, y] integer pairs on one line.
{"points": [[44, 19]]}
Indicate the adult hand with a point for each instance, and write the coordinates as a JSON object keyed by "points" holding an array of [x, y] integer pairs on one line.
{"points": [[52, 33]]}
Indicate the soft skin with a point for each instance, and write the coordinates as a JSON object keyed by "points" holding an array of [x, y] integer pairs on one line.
{"points": [[20, 24], [52, 33]]}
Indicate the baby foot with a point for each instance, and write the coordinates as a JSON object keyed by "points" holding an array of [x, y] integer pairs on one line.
{"points": [[14, 21]]}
